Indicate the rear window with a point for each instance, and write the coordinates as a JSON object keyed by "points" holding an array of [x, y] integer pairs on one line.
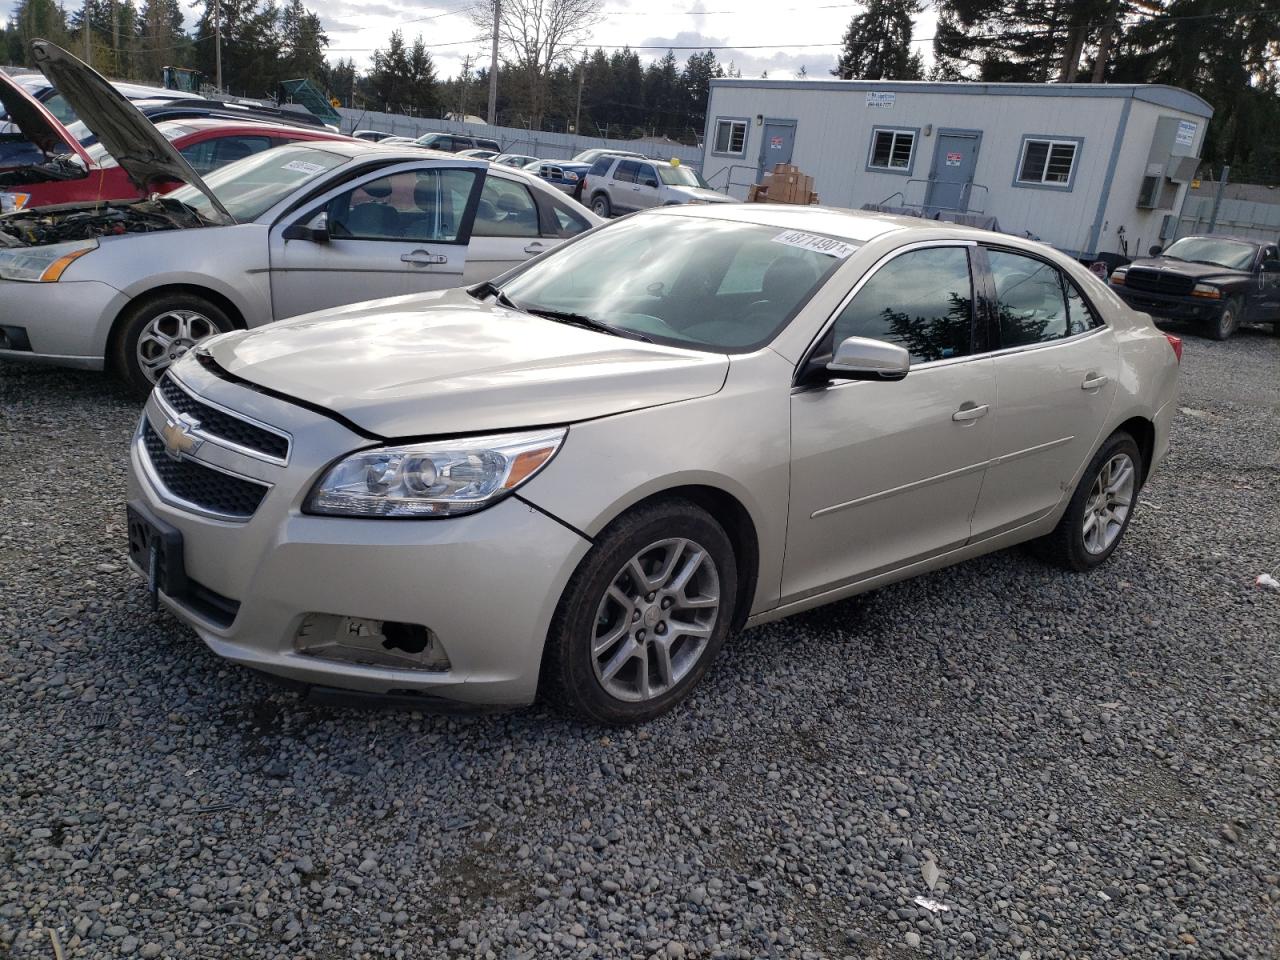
{"points": [[484, 144]]}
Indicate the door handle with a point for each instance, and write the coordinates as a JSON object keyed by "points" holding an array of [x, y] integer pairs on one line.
{"points": [[969, 411], [535, 247], [423, 257], [1093, 381]]}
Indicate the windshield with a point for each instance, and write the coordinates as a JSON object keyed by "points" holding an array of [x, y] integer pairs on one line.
{"points": [[250, 187], [681, 177], [1232, 254], [687, 281]]}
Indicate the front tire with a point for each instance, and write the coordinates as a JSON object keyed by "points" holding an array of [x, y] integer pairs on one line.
{"points": [[643, 616], [601, 207], [157, 331], [1227, 322], [1100, 509]]}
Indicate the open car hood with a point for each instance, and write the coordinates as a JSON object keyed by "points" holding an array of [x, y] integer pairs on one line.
{"points": [[131, 139], [37, 124]]}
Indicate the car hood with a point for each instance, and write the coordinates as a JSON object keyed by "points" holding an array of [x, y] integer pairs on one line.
{"points": [[445, 363], [702, 194], [37, 124], [129, 137], [1185, 268]]}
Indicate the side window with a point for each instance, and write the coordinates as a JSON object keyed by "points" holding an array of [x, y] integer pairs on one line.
{"points": [[600, 167], [506, 210], [209, 155], [1270, 253], [647, 176], [921, 300], [417, 205], [626, 171], [1029, 299], [569, 224], [1080, 317]]}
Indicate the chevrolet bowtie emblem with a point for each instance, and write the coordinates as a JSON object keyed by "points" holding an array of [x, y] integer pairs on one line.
{"points": [[179, 436]]}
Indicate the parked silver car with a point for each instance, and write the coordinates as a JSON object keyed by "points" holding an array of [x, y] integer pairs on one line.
{"points": [[134, 285], [583, 477], [616, 185]]}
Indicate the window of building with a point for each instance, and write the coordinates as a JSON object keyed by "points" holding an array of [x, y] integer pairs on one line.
{"points": [[731, 137], [1049, 162], [892, 149]]}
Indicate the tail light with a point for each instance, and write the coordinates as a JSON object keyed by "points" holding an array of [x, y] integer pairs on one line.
{"points": [[1176, 343]]}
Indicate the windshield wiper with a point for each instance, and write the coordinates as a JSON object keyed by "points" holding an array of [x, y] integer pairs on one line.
{"points": [[587, 323]]}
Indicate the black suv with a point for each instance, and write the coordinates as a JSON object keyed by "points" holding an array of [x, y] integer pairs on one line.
{"points": [[1219, 281]]}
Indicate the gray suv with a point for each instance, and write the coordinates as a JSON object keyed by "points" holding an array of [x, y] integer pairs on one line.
{"points": [[616, 185]]}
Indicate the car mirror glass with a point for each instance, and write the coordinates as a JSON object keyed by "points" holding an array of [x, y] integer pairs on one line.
{"points": [[860, 358], [1155, 250]]}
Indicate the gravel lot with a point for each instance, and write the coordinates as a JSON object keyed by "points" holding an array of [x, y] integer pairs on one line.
{"points": [[1089, 763]]}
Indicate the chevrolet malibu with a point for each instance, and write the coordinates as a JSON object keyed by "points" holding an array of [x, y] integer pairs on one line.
{"points": [[581, 478]]}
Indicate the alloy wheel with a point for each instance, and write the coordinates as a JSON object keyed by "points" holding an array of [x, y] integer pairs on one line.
{"points": [[167, 336], [655, 620], [1108, 505]]}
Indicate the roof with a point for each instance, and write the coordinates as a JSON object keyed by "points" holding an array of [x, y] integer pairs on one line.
{"points": [[856, 225], [1174, 98]]}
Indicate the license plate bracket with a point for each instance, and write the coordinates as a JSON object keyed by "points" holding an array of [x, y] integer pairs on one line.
{"points": [[156, 548]]}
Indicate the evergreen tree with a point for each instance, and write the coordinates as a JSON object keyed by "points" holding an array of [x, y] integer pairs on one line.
{"points": [[877, 44], [303, 41], [32, 20], [699, 70]]}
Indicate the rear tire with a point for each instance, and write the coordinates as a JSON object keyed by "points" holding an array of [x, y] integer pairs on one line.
{"points": [[624, 650], [1096, 521], [601, 207], [156, 331], [1227, 322]]}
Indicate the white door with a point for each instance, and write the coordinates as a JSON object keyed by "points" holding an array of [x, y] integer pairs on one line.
{"points": [[389, 233], [507, 230], [883, 474], [1056, 367]]}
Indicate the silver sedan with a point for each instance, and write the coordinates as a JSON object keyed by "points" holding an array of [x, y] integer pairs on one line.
{"points": [[582, 479]]}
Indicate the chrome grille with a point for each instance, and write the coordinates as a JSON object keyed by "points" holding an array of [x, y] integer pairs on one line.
{"points": [[220, 426], [202, 486]]}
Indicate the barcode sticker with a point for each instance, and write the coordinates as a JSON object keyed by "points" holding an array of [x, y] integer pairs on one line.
{"points": [[816, 244]]}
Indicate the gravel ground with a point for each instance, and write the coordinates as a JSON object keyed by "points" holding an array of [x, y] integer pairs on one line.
{"points": [[1084, 766]]}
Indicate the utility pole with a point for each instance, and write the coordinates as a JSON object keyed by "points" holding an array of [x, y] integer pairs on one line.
{"points": [[465, 85], [493, 65], [1217, 198], [577, 113], [217, 44], [115, 38], [84, 25]]}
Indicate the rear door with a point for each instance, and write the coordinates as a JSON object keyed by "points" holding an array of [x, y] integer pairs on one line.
{"points": [[622, 185], [507, 231], [390, 233], [1056, 366]]}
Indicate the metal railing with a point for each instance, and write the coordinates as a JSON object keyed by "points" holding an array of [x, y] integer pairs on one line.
{"points": [[729, 181], [966, 196]]}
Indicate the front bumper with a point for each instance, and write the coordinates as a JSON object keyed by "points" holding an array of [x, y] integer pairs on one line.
{"points": [[64, 323], [1171, 307], [486, 584]]}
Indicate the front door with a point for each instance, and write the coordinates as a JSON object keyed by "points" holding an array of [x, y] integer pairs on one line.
{"points": [[884, 474], [645, 192], [951, 178], [1268, 296], [1056, 370], [776, 146], [388, 234]]}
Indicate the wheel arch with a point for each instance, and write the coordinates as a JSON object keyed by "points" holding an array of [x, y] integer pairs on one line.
{"points": [[194, 289], [1143, 431], [735, 518]]}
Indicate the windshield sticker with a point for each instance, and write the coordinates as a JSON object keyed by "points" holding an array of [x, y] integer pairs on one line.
{"points": [[302, 166], [809, 241]]}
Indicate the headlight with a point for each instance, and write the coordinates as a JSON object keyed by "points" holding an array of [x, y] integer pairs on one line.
{"points": [[440, 479], [42, 264], [1118, 274], [1206, 290]]}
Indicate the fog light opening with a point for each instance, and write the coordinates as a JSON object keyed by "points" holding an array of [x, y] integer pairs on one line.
{"points": [[372, 643]]}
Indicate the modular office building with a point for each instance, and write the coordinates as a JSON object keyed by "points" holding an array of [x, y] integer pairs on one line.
{"points": [[1090, 168]]}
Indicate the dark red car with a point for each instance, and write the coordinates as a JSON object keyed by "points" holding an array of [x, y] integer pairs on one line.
{"points": [[67, 172]]}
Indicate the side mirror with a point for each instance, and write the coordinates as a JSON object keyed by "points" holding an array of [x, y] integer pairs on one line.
{"points": [[1271, 266], [316, 230], [1155, 250], [650, 182], [858, 358]]}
